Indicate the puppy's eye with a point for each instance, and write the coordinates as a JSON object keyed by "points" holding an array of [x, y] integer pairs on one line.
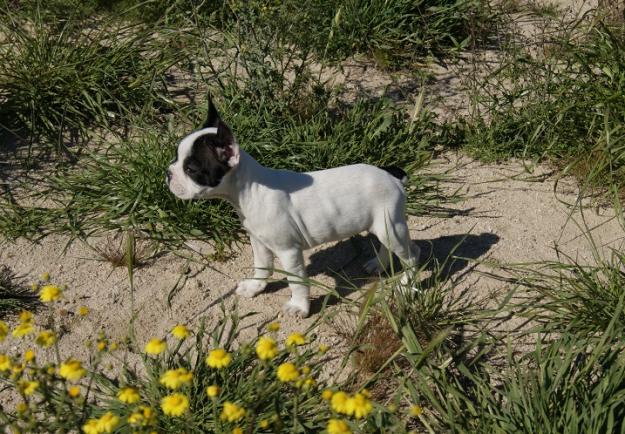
{"points": [[189, 170]]}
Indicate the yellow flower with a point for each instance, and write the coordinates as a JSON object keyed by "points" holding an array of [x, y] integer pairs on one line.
{"points": [[72, 370], [73, 391], [44, 277], [135, 418], [359, 406], [107, 422], [338, 402], [101, 345], [23, 329], [91, 427], [232, 412], [273, 327], [327, 394], [309, 382], [128, 395], [337, 426], [213, 391], [27, 387], [323, 348], [174, 378], [264, 424], [143, 416], [237, 430], [218, 358], [155, 346], [83, 311], [415, 411], [21, 407], [175, 404], [305, 370], [287, 372], [180, 332], [113, 346], [46, 338], [295, 339], [5, 362], [29, 355], [17, 369], [266, 348], [26, 316], [4, 330], [49, 293]]}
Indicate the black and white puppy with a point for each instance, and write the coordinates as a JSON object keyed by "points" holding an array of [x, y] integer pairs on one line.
{"points": [[286, 212]]}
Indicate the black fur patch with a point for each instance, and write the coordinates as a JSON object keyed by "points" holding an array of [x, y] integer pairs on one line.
{"points": [[396, 172], [208, 162]]}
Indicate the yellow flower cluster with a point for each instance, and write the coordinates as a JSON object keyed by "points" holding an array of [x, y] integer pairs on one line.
{"points": [[105, 424], [180, 332], [72, 370], [266, 348], [232, 412], [218, 358], [213, 391], [128, 395], [337, 426], [26, 387], [155, 346], [175, 404], [295, 339], [25, 327], [144, 416], [175, 378], [45, 338], [359, 405], [287, 372], [49, 293]]}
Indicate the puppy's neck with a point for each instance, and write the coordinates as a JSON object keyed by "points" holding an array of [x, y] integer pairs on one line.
{"points": [[239, 183]]}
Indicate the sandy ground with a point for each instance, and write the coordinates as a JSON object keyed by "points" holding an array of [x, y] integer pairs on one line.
{"points": [[506, 216]]}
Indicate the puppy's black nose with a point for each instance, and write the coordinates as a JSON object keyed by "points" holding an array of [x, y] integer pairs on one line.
{"points": [[167, 176]]}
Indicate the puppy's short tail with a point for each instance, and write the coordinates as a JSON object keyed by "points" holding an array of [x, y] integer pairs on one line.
{"points": [[397, 173]]}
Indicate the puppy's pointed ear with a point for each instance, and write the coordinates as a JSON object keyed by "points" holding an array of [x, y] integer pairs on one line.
{"points": [[212, 117], [228, 151]]}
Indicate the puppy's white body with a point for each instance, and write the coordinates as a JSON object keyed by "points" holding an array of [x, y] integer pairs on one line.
{"points": [[286, 209], [286, 212]]}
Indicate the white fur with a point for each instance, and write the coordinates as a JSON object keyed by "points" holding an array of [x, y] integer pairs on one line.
{"points": [[286, 212]]}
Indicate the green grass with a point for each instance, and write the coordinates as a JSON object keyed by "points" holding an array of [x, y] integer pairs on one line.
{"points": [[565, 106], [60, 82], [14, 294]]}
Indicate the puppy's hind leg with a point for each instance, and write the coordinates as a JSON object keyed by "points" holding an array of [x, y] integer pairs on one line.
{"points": [[293, 263], [263, 262], [396, 237]]}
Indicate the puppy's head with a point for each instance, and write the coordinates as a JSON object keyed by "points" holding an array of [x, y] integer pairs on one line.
{"points": [[203, 159]]}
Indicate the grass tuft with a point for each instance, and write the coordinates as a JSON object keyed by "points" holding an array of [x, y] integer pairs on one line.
{"points": [[14, 295]]}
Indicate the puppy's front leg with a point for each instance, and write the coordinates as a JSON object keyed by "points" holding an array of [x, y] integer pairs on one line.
{"points": [[263, 262], [293, 263]]}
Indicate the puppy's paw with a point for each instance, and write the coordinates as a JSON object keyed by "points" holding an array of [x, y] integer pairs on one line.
{"points": [[248, 288], [373, 266], [299, 308]]}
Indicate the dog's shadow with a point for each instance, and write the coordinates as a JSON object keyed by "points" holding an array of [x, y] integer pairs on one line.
{"points": [[344, 261]]}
